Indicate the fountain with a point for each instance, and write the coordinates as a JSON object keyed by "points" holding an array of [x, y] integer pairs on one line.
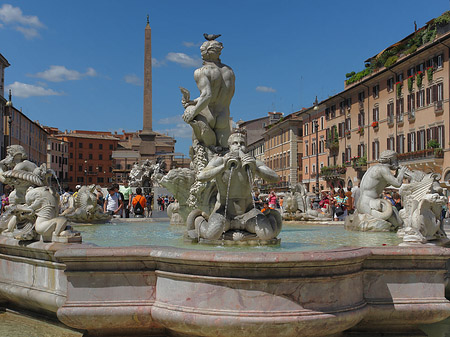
{"points": [[182, 289]]}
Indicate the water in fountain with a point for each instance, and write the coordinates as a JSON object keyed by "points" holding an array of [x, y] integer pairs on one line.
{"points": [[250, 180], [57, 181]]}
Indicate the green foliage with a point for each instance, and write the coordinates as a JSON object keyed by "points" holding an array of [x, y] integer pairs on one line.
{"points": [[359, 76], [348, 75], [411, 49], [399, 89], [430, 74], [391, 61], [443, 19], [433, 144], [419, 78], [410, 83]]}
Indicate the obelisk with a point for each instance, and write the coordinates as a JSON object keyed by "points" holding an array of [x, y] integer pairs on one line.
{"points": [[147, 146]]}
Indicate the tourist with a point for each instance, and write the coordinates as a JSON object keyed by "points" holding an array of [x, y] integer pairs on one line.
{"points": [[126, 194], [5, 197], [348, 194], [257, 200], [387, 196], [397, 200], [281, 203], [341, 204], [100, 199], [324, 202], [139, 202], [162, 204], [272, 200], [149, 198], [113, 202]]}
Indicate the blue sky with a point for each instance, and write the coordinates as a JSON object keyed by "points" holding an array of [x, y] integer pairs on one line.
{"points": [[79, 64]]}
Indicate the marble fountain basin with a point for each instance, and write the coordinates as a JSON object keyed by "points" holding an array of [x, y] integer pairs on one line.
{"points": [[307, 286]]}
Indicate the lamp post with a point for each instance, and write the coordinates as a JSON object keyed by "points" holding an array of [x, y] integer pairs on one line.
{"points": [[316, 126]]}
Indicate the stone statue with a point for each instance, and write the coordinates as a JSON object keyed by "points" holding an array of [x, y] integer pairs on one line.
{"points": [[34, 205], [423, 199], [147, 173], [209, 114], [234, 214], [373, 213], [173, 212], [84, 207], [297, 206]]}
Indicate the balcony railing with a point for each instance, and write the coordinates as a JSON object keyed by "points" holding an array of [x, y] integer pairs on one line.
{"points": [[390, 119], [428, 153], [412, 114], [400, 118], [361, 105], [438, 106]]}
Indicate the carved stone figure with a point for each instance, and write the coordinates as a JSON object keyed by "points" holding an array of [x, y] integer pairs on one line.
{"points": [[34, 205], [85, 208], [298, 206], [209, 114], [234, 211], [147, 174], [423, 199], [173, 211], [373, 213]]}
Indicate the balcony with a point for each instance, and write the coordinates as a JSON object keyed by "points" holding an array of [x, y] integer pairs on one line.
{"points": [[332, 172], [400, 118], [428, 153], [390, 120], [361, 105], [412, 115], [438, 107]]}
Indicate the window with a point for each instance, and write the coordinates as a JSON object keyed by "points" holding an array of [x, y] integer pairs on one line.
{"points": [[390, 111], [399, 77], [361, 119], [420, 98], [80, 168], [90, 145], [348, 154], [361, 96], [342, 107], [375, 150], [439, 60], [410, 72], [400, 107], [71, 155], [306, 169], [306, 129], [376, 91], [313, 147], [348, 124], [100, 157], [376, 114], [361, 150], [440, 91], [110, 146], [390, 143], [327, 113], [100, 180], [420, 140], [348, 103], [306, 149], [400, 144], [390, 84], [411, 141], [420, 67], [71, 168], [80, 145], [100, 146], [440, 135], [411, 102], [80, 156], [333, 111], [71, 144]]}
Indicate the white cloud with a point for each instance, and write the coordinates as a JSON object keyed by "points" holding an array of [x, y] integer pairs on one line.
{"points": [[156, 63], [61, 73], [27, 90], [191, 44], [28, 25], [263, 88], [179, 128], [133, 79], [184, 60]]}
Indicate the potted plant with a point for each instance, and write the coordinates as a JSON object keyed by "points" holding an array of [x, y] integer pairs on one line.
{"points": [[433, 144], [419, 78], [438, 152], [430, 74], [375, 124], [410, 83], [360, 130], [399, 86]]}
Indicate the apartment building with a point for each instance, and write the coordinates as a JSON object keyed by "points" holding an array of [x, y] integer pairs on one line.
{"points": [[314, 154], [90, 157], [283, 151], [399, 102]]}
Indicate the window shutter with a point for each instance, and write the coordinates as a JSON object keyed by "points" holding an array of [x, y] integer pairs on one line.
{"points": [[434, 93], [397, 107], [443, 136], [373, 151], [413, 104], [428, 135], [428, 96], [409, 102], [409, 142]]}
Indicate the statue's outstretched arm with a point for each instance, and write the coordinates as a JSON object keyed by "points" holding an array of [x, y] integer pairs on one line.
{"points": [[391, 180], [214, 168], [266, 173]]}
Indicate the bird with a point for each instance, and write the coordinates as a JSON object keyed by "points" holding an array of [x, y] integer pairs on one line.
{"points": [[211, 37]]}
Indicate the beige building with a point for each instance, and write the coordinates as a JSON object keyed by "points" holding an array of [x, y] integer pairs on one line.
{"points": [[400, 102]]}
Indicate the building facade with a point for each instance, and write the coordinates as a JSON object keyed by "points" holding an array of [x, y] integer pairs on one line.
{"points": [[402, 105], [90, 157]]}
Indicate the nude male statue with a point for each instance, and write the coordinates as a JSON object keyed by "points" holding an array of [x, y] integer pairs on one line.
{"points": [[376, 179], [209, 114], [234, 207]]}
